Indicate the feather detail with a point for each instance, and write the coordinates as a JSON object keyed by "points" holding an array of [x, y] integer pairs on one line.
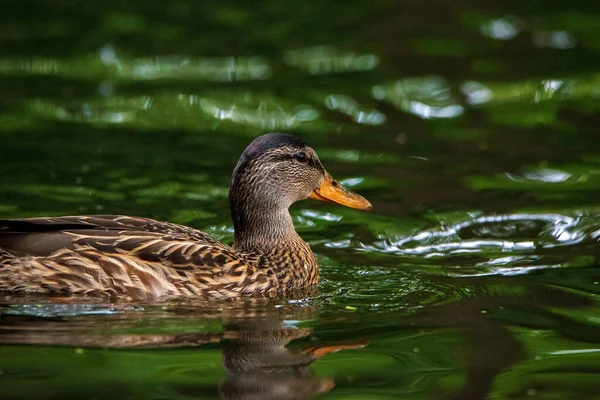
{"points": [[140, 259]]}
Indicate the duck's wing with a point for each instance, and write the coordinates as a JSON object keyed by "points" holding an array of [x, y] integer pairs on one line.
{"points": [[44, 236], [123, 256]]}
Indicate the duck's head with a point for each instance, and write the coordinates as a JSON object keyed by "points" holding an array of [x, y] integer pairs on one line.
{"points": [[277, 170]]}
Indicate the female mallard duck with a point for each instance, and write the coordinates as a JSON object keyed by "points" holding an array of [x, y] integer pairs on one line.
{"points": [[139, 258]]}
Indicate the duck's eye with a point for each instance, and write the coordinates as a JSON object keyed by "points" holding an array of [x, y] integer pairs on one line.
{"points": [[301, 157]]}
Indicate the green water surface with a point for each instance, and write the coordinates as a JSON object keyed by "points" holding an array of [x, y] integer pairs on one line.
{"points": [[472, 127]]}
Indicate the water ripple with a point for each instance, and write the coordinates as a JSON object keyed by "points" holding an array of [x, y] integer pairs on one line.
{"points": [[527, 237]]}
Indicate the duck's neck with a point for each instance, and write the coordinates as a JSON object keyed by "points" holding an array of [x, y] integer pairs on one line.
{"points": [[268, 232], [263, 230]]}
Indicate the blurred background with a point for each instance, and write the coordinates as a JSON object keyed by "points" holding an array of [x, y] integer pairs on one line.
{"points": [[471, 126]]}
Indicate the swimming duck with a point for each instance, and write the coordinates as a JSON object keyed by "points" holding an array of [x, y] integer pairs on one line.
{"points": [[139, 258]]}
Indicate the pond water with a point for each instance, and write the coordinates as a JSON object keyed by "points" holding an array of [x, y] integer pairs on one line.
{"points": [[472, 127]]}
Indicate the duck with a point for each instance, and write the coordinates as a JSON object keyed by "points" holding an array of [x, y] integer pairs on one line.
{"points": [[136, 258]]}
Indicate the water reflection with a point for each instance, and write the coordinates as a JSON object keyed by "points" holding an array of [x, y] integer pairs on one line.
{"points": [[259, 365], [558, 40], [254, 349], [122, 68], [426, 97], [269, 352], [350, 107], [502, 28], [476, 92], [502, 244], [229, 69], [327, 59], [187, 110]]}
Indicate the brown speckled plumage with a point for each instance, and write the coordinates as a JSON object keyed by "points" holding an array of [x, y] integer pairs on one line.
{"points": [[138, 258]]}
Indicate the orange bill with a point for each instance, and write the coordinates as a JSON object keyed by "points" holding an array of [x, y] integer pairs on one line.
{"points": [[322, 351], [333, 192]]}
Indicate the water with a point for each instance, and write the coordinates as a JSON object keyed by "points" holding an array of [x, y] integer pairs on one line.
{"points": [[471, 127]]}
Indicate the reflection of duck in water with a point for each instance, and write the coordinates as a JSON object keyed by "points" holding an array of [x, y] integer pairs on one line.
{"points": [[259, 365], [138, 258], [254, 352]]}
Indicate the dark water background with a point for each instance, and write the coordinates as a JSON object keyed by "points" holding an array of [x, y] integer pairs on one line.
{"points": [[472, 126]]}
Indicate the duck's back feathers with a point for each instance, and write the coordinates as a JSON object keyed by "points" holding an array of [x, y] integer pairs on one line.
{"points": [[120, 256], [15, 234]]}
